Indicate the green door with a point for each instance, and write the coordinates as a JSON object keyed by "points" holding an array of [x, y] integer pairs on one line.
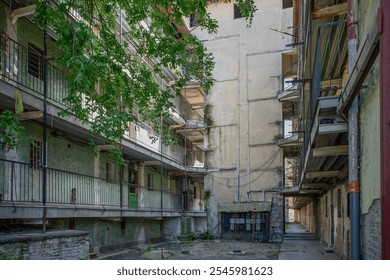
{"points": [[133, 189]]}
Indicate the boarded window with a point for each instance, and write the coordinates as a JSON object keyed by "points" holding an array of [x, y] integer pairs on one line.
{"points": [[35, 62], [36, 154]]}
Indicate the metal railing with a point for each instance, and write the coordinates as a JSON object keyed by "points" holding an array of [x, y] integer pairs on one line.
{"points": [[22, 182], [24, 67]]}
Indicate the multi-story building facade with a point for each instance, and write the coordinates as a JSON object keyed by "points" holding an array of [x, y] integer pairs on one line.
{"points": [[157, 195], [244, 153], [342, 58]]}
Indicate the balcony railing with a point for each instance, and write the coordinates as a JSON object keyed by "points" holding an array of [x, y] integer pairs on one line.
{"points": [[24, 67], [21, 183]]}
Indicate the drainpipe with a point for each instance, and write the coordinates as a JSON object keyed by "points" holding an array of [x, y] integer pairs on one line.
{"points": [[353, 135], [44, 136], [384, 29]]}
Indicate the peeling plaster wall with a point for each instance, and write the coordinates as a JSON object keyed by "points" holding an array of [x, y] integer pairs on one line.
{"points": [[370, 164], [333, 220], [243, 107]]}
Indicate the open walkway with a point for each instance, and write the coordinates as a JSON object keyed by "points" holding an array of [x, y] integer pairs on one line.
{"points": [[299, 244]]}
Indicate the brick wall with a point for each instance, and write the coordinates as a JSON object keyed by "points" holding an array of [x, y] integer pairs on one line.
{"points": [[58, 245], [371, 232]]}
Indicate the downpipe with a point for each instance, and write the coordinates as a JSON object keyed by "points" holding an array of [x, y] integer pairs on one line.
{"points": [[353, 139]]}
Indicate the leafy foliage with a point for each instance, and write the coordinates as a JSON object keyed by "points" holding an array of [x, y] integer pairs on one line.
{"points": [[116, 70], [10, 130]]}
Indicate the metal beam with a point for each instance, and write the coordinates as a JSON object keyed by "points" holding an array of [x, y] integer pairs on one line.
{"points": [[151, 162], [367, 53], [330, 11], [332, 128], [322, 174], [331, 151], [315, 185]]}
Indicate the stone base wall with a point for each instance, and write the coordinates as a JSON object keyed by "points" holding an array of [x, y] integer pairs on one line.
{"points": [[58, 245], [371, 232]]}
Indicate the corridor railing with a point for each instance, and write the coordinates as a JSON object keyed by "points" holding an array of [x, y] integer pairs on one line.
{"points": [[23, 66], [22, 182]]}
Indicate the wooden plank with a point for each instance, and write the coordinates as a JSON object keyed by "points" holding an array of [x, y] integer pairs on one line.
{"points": [[330, 11], [29, 115]]}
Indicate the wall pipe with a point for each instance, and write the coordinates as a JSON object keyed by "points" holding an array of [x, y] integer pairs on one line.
{"points": [[353, 135], [44, 136], [384, 30]]}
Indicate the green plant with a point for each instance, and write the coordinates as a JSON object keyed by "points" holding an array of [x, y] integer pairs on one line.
{"points": [[149, 247], [119, 81], [10, 130], [207, 195]]}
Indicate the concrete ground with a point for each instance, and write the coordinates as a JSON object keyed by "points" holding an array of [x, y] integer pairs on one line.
{"points": [[298, 244], [201, 250]]}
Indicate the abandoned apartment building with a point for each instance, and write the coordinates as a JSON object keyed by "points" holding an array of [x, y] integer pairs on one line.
{"points": [[293, 130]]}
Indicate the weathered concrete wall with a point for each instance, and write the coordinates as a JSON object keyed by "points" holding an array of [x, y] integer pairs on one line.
{"points": [[242, 107], [59, 245], [333, 220], [371, 232], [370, 165], [109, 235]]}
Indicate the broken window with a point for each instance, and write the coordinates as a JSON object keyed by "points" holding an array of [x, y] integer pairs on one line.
{"points": [[287, 4], [237, 12], [36, 154], [194, 19]]}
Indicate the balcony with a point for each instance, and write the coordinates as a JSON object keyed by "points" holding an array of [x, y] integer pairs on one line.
{"points": [[194, 94], [324, 151], [70, 194], [17, 74]]}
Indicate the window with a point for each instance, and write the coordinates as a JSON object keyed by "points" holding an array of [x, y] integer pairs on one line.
{"points": [[194, 19], [287, 4], [194, 192], [36, 154], [237, 12], [150, 181], [326, 206], [339, 203], [35, 62], [110, 172]]}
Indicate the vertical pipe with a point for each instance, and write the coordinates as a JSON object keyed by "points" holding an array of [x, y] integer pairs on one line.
{"points": [[44, 142], [385, 122], [353, 140]]}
